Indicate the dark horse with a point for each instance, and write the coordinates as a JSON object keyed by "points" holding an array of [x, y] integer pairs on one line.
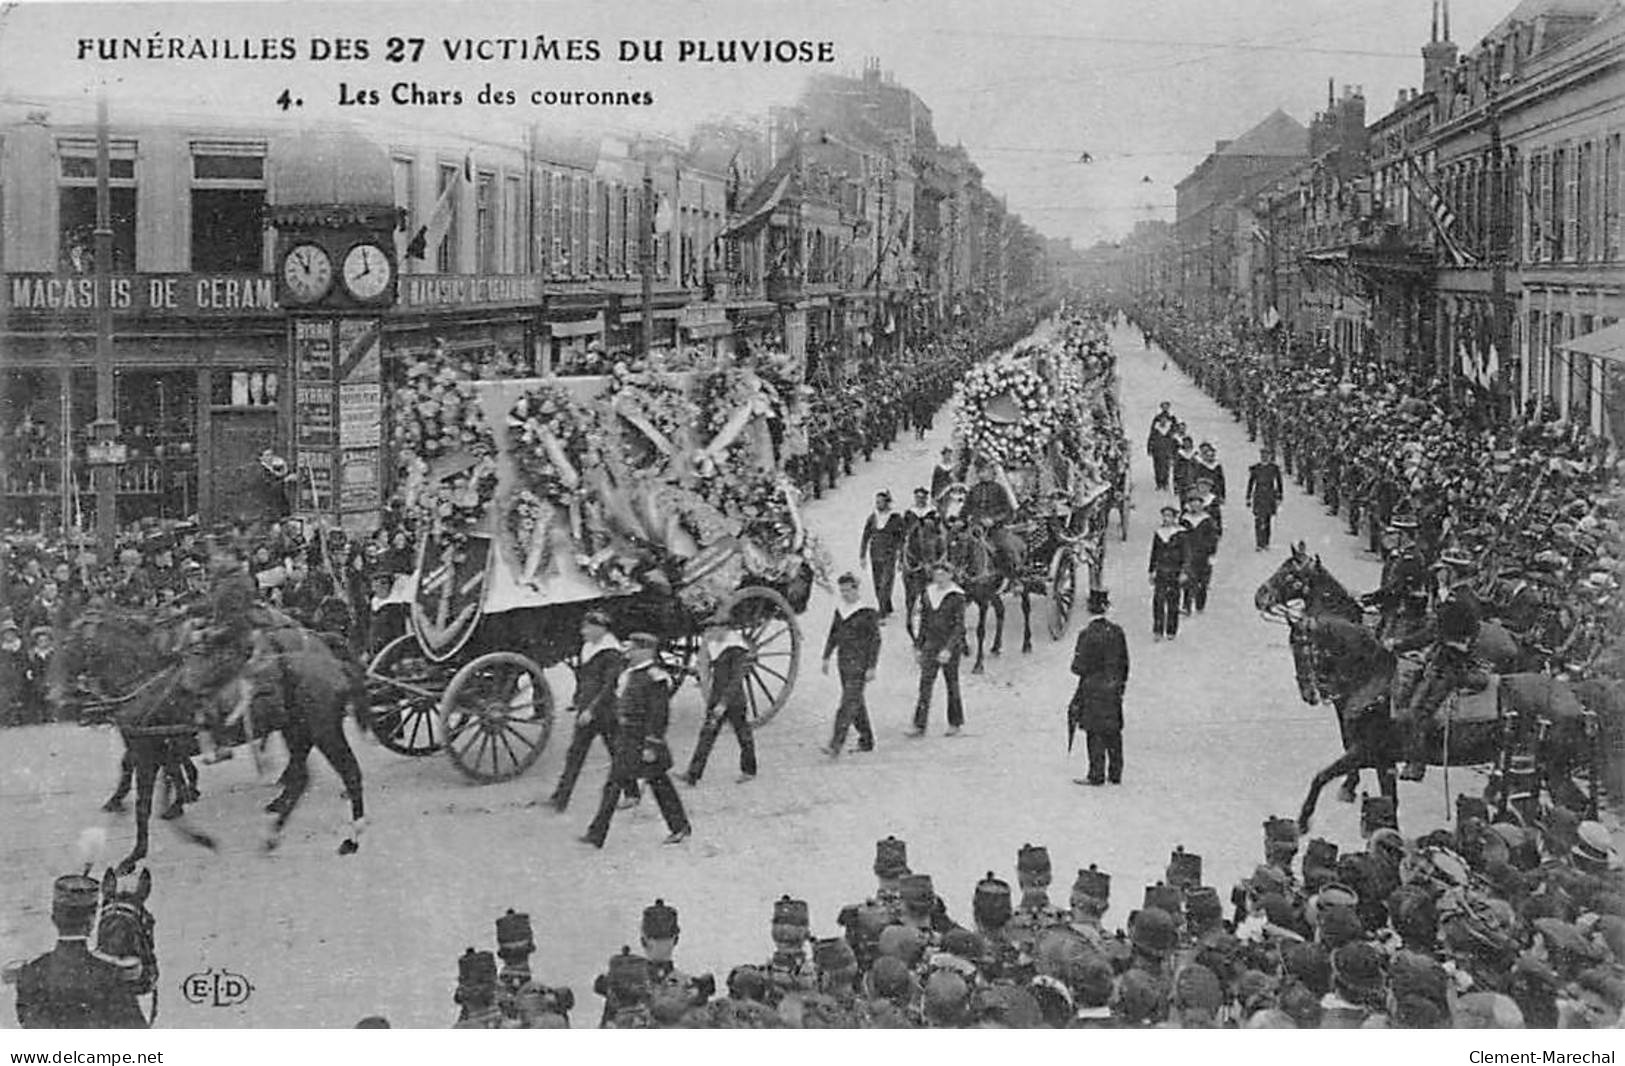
{"points": [[986, 572], [302, 689], [1339, 660], [125, 935]]}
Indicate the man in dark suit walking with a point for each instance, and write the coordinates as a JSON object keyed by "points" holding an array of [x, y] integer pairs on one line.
{"points": [[940, 643], [642, 710], [1264, 494], [602, 660], [880, 544], [1100, 662]]}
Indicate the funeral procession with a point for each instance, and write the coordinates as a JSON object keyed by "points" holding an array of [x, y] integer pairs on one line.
{"points": [[1055, 517]]}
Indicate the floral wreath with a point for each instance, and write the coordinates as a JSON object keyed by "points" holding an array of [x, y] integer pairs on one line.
{"points": [[445, 450], [654, 418], [1016, 434]]}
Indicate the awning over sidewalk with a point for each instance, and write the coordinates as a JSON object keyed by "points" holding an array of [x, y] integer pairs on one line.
{"points": [[1605, 343]]}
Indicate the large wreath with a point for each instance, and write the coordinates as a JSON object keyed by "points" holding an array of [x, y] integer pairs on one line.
{"points": [[1005, 413], [554, 441], [654, 420], [445, 451]]}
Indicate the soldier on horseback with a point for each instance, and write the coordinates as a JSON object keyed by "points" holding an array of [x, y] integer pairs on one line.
{"points": [[1456, 621], [991, 505], [228, 651], [1403, 595]]}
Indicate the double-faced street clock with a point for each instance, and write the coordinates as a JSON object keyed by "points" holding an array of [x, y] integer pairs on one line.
{"points": [[336, 258]]}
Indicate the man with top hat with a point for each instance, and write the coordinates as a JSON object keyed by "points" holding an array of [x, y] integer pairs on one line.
{"points": [[940, 642], [726, 701], [1169, 572], [854, 640], [1455, 627], [642, 711], [1160, 445], [1264, 493], [880, 545], [602, 660], [1402, 597], [71, 987], [1100, 662]]}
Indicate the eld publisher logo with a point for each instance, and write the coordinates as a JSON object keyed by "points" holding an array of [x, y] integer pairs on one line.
{"points": [[216, 988]]}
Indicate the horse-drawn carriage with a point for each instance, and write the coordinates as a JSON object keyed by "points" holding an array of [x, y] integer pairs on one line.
{"points": [[1041, 443], [592, 495]]}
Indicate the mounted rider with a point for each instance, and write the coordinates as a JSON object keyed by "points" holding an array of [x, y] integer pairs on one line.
{"points": [[991, 505], [1403, 595], [1457, 616], [229, 649]]}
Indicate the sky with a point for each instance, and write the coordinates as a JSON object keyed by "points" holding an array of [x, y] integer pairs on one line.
{"points": [[1026, 85]]}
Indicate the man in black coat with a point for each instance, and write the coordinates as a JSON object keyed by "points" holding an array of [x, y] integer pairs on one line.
{"points": [[729, 657], [1170, 570], [881, 542], [642, 712], [70, 987], [1160, 446], [1100, 662], [940, 643], [602, 660], [1264, 492], [854, 640]]}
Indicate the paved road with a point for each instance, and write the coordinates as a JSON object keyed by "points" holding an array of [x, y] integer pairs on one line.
{"points": [[1217, 740]]}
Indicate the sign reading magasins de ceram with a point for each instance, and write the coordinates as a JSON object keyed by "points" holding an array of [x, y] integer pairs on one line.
{"points": [[140, 294]]}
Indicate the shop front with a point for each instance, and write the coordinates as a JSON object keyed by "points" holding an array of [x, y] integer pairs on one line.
{"points": [[198, 395]]}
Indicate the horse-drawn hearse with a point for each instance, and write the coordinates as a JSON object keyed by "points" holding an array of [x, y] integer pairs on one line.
{"points": [[657, 498]]}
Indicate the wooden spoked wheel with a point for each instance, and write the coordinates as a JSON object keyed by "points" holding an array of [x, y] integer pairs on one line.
{"points": [[403, 691], [496, 716], [1062, 590], [768, 624]]}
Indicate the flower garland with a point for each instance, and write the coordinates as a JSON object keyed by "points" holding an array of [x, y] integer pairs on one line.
{"points": [[1004, 413], [445, 450], [553, 441]]}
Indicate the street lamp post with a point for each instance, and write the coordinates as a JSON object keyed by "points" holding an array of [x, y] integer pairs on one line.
{"points": [[105, 430]]}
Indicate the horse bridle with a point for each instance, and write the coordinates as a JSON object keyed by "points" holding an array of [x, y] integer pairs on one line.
{"points": [[140, 919]]}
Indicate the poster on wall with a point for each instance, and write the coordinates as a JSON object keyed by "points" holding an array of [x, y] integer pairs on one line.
{"points": [[315, 468]]}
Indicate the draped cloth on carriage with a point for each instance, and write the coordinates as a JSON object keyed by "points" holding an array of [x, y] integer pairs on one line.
{"points": [[1476, 714]]}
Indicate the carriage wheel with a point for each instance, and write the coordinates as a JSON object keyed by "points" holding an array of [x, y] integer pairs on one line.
{"points": [[496, 716], [1063, 590], [768, 625], [403, 690]]}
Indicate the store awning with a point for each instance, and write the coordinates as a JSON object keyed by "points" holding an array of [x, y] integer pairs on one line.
{"points": [[1605, 343], [330, 165]]}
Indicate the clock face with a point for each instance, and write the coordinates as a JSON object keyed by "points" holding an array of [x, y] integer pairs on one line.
{"points": [[367, 271], [308, 272]]}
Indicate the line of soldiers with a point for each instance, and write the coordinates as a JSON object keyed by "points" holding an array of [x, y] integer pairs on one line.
{"points": [[1535, 503], [1502, 925]]}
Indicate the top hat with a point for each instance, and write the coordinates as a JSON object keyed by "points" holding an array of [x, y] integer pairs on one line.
{"points": [[789, 911], [659, 921], [991, 902], [513, 932], [1033, 861], [891, 858], [74, 899], [1099, 600], [596, 617], [1184, 868]]}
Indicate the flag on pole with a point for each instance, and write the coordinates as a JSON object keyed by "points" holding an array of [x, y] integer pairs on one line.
{"points": [[445, 209], [1440, 214], [1492, 367]]}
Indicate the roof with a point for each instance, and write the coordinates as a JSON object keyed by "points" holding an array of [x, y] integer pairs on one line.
{"points": [[1278, 135], [1530, 10]]}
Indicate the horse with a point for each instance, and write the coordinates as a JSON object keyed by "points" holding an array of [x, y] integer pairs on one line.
{"points": [[924, 546], [1343, 663], [303, 690], [986, 573], [125, 934]]}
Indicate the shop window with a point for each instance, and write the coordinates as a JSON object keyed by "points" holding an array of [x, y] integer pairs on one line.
{"points": [[76, 206], [228, 208], [485, 224]]}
